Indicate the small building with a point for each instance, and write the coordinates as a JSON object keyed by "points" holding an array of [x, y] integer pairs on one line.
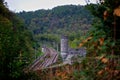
{"points": [[67, 53], [51, 56]]}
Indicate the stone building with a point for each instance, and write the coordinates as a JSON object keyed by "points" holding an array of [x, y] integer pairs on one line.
{"points": [[51, 56], [67, 53], [64, 47]]}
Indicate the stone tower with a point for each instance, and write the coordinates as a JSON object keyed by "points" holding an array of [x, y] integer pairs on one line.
{"points": [[64, 47]]}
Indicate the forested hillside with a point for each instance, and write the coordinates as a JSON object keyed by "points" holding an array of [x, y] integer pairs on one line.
{"points": [[18, 46], [70, 20]]}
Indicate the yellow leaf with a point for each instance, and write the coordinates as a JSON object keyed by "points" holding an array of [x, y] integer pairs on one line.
{"points": [[101, 40], [117, 11], [104, 60], [105, 15], [100, 57], [84, 41], [100, 72], [106, 68], [81, 44]]}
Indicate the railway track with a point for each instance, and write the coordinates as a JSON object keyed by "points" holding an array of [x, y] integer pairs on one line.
{"points": [[50, 56]]}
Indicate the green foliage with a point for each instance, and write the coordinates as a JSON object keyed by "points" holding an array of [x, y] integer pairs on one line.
{"points": [[15, 45], [105, 26], [99, 63], [49, 25], [98, 32]]}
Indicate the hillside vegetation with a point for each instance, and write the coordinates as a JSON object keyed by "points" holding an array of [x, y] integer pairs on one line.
{"points": [[16, 50], [49, 25], [18, 47]]}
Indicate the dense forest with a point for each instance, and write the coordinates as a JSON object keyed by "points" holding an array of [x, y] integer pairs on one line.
{"points": [[48, 25], [94, 26], [16, 50]]}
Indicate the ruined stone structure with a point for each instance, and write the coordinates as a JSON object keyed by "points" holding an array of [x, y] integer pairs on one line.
{"points": [[64, 47], [67, 53], [50, 56]]}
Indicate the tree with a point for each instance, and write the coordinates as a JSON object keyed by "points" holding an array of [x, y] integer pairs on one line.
{"points": [[14, 47], [103, 46]]}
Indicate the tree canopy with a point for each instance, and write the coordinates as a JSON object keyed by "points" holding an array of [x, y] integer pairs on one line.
{"points": [[15, 45]]}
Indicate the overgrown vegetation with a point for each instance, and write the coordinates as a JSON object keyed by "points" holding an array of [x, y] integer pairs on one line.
{"points": [[98, 68], [15, 45], [102, 43], [102, 61]]}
